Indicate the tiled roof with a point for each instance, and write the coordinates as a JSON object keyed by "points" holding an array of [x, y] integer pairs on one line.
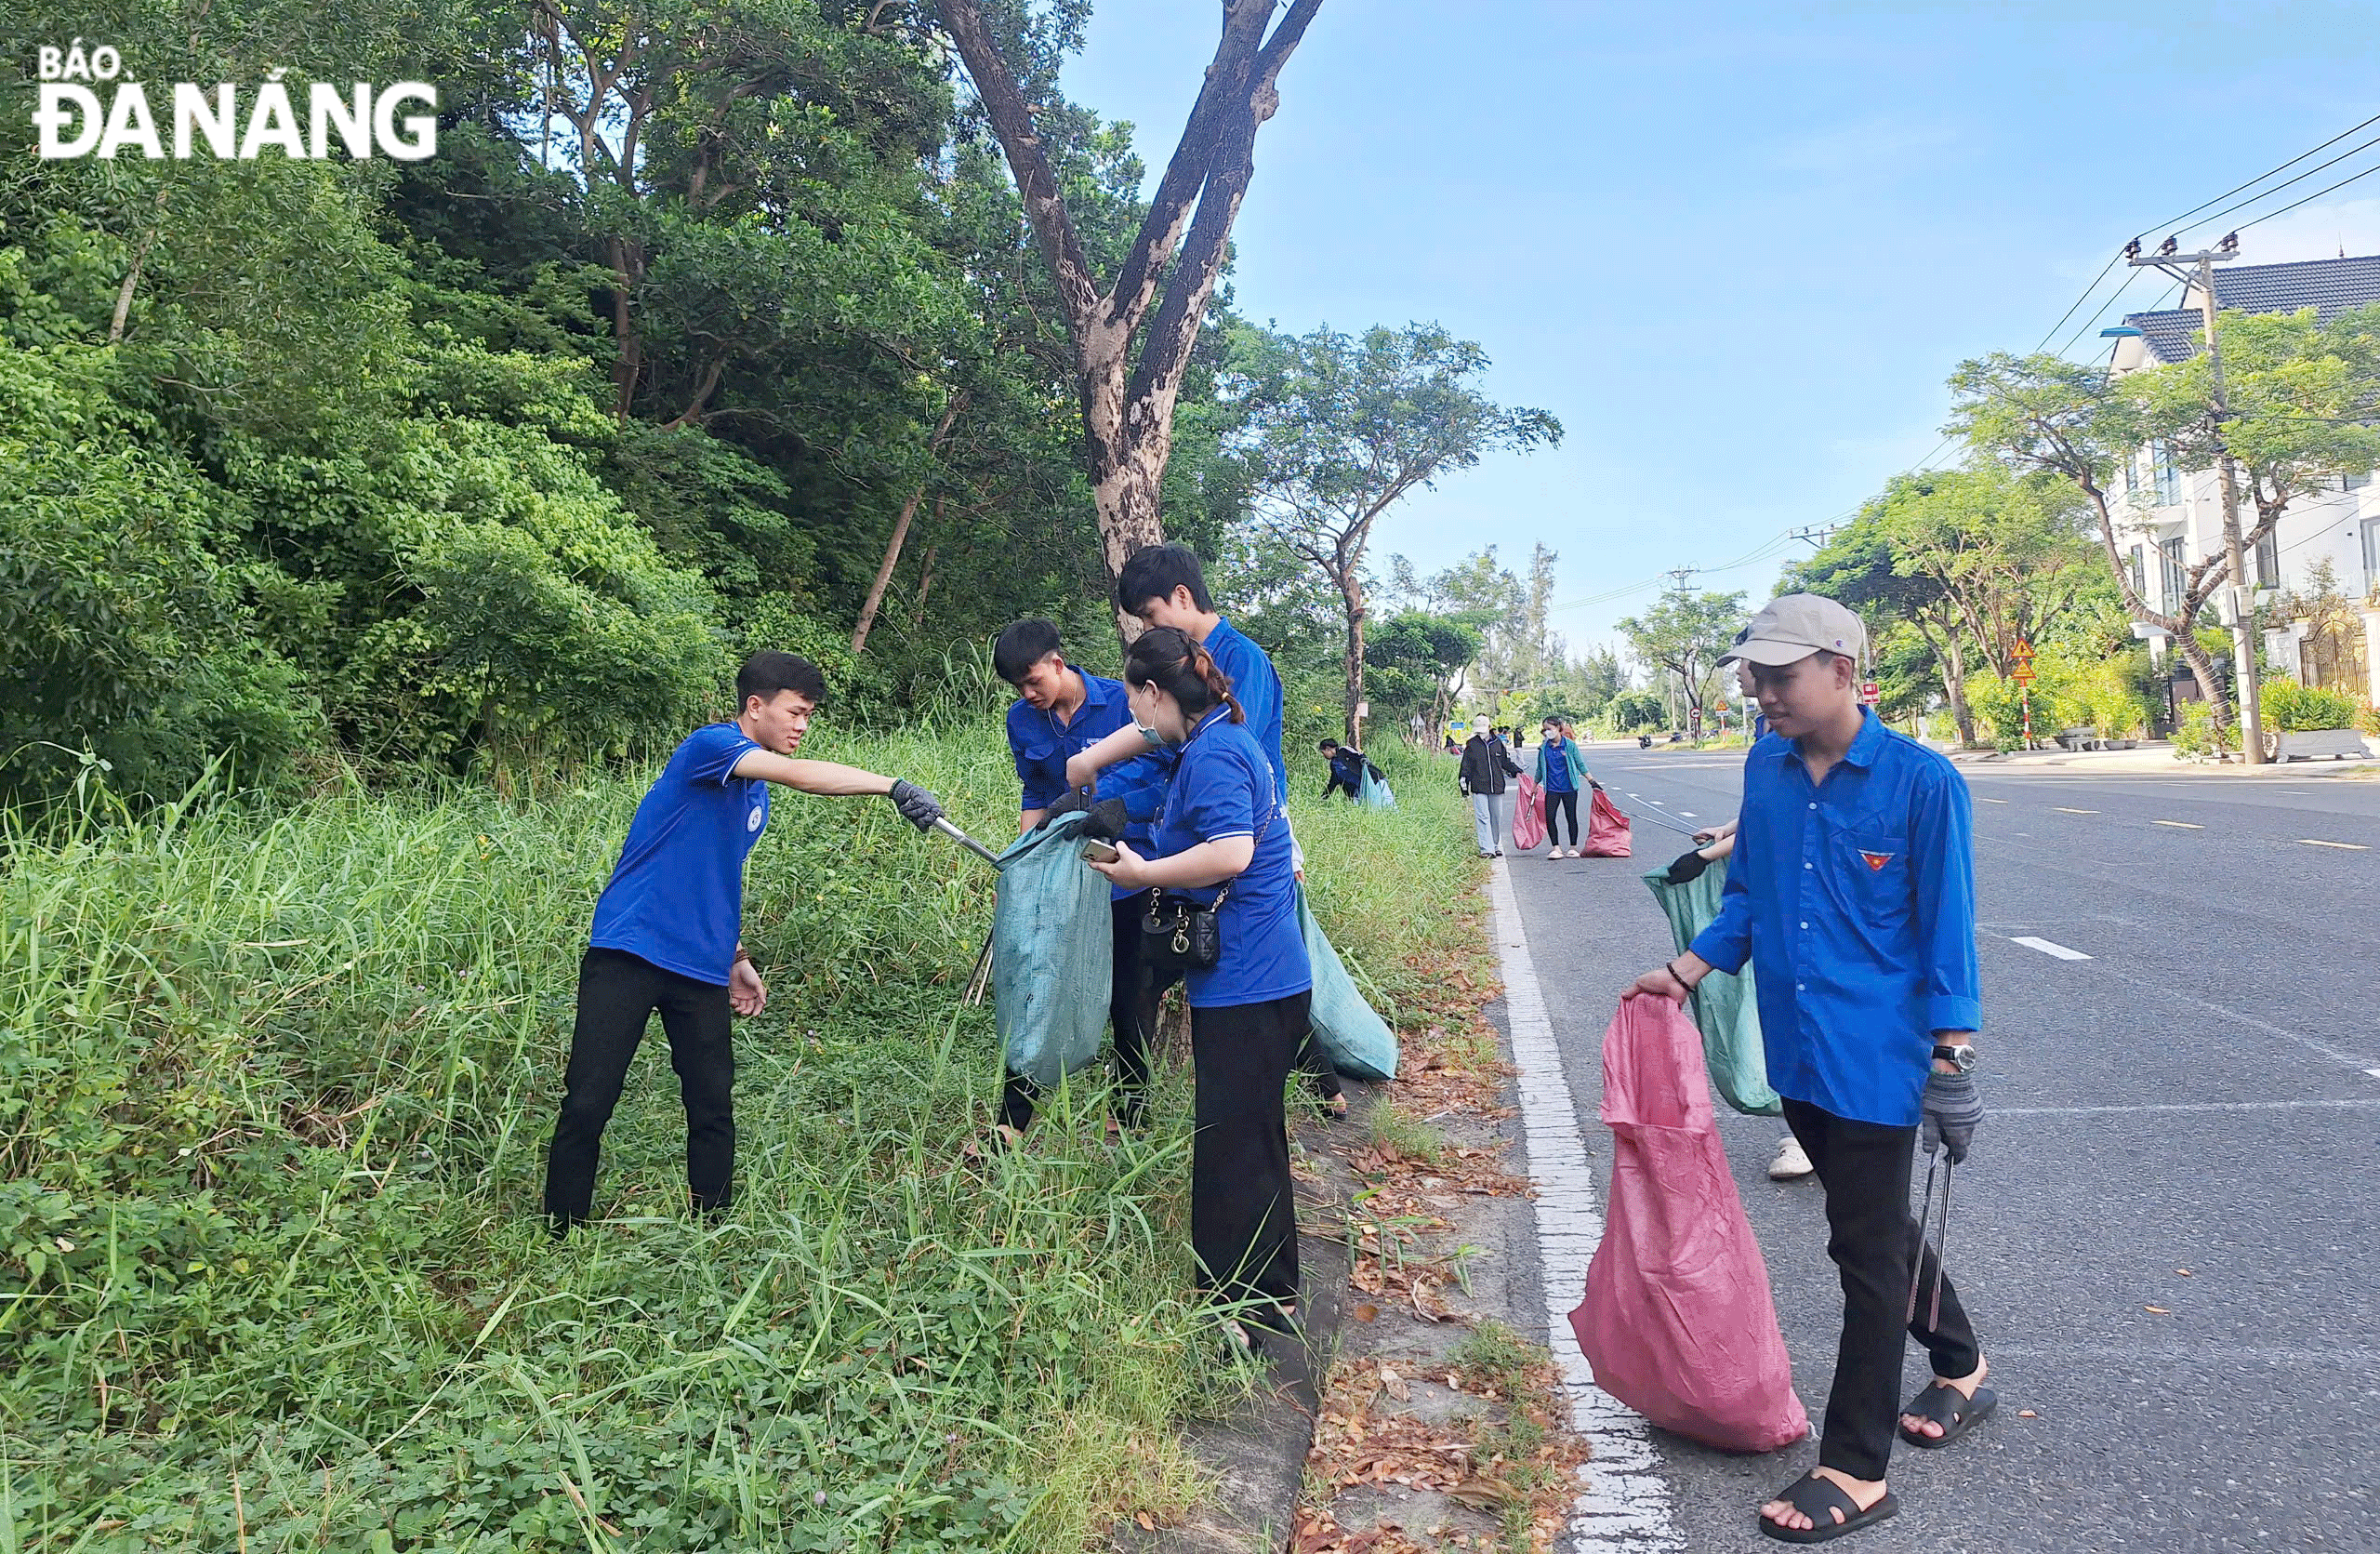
{"points": [[2329, 286]]}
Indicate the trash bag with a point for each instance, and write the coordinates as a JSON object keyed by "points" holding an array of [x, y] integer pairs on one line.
{"points": [[1528, 816], [1375, 792], [1357, 1042], [1725, 1006], [1608, 834], [1678, 1322], [1053, 953]]}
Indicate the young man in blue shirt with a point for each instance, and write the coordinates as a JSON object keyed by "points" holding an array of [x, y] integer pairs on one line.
{"points": [[1852, 892], [1060, 710], [667, 930], [1166, 585]]}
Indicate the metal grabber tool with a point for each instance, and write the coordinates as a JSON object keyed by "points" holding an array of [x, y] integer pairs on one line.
{"points": [[981, 977], [1943, 1162]]}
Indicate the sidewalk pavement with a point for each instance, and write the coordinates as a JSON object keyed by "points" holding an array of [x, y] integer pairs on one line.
{"points": [[2148, 756]]}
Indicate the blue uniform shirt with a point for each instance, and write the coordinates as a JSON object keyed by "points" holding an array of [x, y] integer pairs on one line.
{"points": [[1222, 788], [676, 897], [1554, 758], [1855, 902], [1257, 687], [1041, 746]]}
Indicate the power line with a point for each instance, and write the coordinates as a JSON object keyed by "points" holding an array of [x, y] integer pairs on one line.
{"points": [[2170, 221], [2315, 195], [2210, 220]]}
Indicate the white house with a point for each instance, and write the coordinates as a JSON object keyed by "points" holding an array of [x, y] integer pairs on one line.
{"points": [[2169, 516]]}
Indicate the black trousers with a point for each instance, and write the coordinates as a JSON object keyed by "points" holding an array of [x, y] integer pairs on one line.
{"points": [[1336, 786], [1243, 1211], [1561, 803], [1132, 1013], [1865, 1169], [618, 993]]}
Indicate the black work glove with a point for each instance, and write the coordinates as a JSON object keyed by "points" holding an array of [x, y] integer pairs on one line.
{"points": [[919, 807], [1951, 1110], [1076, 799], [1686, 867]]}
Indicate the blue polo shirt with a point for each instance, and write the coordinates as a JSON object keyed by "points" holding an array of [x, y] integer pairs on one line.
{"points": [[1041, 746], [676, 897], [1222, 788], [1855, 901], [1257, 687]]}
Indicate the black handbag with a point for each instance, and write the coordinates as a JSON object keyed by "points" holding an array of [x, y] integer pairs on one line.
{"points": [[1179, 934]]}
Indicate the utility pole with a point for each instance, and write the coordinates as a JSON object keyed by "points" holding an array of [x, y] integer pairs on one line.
{"points": [[1817, 534], [2242, 592]]}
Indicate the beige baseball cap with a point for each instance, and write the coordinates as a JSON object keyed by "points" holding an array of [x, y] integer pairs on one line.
{"points": [[1794, 626]]}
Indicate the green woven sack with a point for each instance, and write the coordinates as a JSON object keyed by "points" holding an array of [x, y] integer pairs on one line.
{"points": [[1052, 953], [1725, 1007]]}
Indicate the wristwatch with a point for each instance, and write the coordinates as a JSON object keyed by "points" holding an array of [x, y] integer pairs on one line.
{"points": [[1960, 1055]]}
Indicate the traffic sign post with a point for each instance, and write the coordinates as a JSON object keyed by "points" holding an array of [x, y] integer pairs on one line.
{"points": [[1870, 692]]}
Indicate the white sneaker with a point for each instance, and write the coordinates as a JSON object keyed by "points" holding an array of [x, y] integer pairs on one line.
{"points": [[1791, 1161]]}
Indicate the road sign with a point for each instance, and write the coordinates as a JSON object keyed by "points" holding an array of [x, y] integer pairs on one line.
{"points": [[1870, 692], [2024, 675]]}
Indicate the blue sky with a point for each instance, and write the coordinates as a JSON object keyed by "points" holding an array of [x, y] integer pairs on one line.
{"points": [[1736, 247]]}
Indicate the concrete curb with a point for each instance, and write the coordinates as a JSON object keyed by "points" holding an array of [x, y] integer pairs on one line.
{"points": [[1257, 1452]]}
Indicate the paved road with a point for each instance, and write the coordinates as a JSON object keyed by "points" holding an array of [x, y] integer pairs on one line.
{"points": [[2202, 1092]]}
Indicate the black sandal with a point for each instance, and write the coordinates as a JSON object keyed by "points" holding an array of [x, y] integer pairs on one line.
{"points": [[1821, 1499], [1950, 1408]]}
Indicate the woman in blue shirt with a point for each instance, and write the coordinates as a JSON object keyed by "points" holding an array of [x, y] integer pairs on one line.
{"points": [[1561, 772], [1222, 838]]}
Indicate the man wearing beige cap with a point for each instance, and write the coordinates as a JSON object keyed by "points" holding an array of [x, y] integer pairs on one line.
{"points": [[1852, 890]]}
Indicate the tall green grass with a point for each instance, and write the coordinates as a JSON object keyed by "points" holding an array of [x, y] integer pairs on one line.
{"points": [[274, 1090]]}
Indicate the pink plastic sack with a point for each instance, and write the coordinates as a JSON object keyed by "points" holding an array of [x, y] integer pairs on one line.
{"points": [[1678, 1322], [1528, 815], [1608, 834]]}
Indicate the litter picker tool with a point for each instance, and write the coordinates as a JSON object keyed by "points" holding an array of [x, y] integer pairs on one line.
{"points": [[1941, 1247], [946, 828]]}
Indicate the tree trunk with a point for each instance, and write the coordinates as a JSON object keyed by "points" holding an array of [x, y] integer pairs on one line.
{"points": [[1351, 598], [925, 579], [901, 532], [2209, 685], [628, 362]]}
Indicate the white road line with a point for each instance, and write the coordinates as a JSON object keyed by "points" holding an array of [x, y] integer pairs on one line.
{"points": [[2063, 810], [1688, 815], [2373, 1072], [2342, 846], [1624, 1504], [2183, 825], [2110, 968], [2048, 947], [2178, 1106], [1991, 801]]}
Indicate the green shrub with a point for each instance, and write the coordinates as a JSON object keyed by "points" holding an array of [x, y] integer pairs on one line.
{"points": [[2367, 720], [2200, 735], [2290, 707]]}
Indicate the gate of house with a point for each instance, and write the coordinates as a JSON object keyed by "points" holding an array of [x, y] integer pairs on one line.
{"points": [[2333, 655]]}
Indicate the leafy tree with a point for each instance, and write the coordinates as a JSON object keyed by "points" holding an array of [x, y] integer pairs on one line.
{"points": [[1129, 364], [1684, 635], [1413, 665], [1337, 429]]}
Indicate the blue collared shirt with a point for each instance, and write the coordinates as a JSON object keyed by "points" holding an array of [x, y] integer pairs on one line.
{"points": [[1256, 685], [1042, 745], [1855, 901]]}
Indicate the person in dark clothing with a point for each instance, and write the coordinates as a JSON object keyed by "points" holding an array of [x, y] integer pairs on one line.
{"points": [[1486, 764], [667, 930], [1060, 710], [1346, 769]]}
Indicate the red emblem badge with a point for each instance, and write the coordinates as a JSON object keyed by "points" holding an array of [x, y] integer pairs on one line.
{"points": [[1876, 861]]}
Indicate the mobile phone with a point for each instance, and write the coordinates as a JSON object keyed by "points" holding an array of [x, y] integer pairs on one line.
{"points": [[1099, 852]]}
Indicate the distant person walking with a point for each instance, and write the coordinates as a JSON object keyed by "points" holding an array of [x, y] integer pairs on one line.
{"points": [[1561, 772], [1852, 892], [1486, 764]]}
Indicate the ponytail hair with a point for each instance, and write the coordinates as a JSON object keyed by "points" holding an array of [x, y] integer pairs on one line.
{"points": [[1166, 657]]}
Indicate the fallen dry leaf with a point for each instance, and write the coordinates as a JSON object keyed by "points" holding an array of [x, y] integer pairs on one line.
{"points": [[2027, 1414], [1368, 1313], [2158, 1309], [2182, 1272], [1148, 1523]]}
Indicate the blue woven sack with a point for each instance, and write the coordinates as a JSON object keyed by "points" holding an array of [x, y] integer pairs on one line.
{"points": [[1052, 953], [1375, 792], [1357, 1042]]}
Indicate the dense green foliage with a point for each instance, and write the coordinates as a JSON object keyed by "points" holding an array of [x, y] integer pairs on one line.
{"points": [[274, 1087]]}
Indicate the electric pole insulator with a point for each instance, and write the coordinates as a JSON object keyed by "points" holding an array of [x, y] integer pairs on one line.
{"points": [[2170, 245], [2132, 249]]}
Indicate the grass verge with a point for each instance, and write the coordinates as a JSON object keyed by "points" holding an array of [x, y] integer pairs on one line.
{"points": [[274, 1089]]}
